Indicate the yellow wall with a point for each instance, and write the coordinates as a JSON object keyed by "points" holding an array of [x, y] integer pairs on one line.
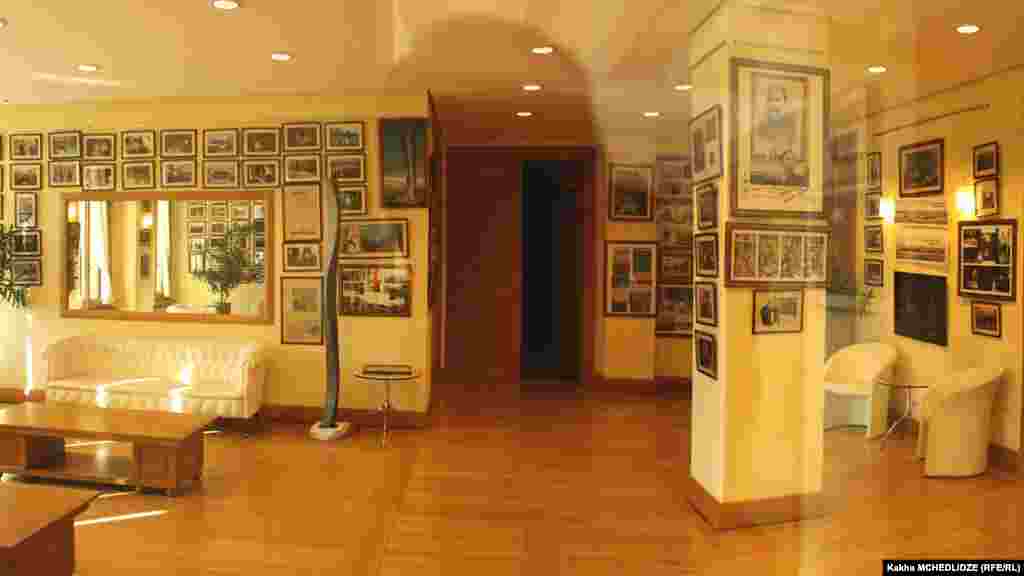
{"points": [[296, 373]]}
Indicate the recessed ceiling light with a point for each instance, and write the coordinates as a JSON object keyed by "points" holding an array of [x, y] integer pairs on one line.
{"points": [[543, 50], [88, 68], [531, 87], [968, 29], [652, 114], [524, 114], [225, 4], [280, 56], [877, 69], [683, 87]]}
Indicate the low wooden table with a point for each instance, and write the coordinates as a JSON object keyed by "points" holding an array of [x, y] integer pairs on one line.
{"points": [[167, 447], [37, 535]]}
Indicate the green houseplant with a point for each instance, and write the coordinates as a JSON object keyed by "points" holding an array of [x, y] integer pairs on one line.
{"points": [[10, 292], [227, 264]]}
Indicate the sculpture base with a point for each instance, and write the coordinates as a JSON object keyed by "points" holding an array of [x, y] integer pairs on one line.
{"points": [[339, 430]]}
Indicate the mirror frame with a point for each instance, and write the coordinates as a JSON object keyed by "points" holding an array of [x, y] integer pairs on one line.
{"points": [[267, 196]]}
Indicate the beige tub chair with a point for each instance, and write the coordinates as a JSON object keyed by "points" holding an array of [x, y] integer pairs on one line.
{"points": [[853, 393]]}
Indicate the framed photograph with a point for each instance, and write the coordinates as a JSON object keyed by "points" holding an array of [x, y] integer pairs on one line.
{"points": [[138, 175], [65, 145], [404, 172], [923, 246], [874, 170], [196, 245], [138, 144], [178, 174], [261, 173], [922, 168], [874, 273], [631, 192], [988, 259], [673, 219], [196, 262], [675, 311], [375, 289], [707, 205], [930, 210], [706, 144], [178, 143], [631, 280], [705, 247], [671, 176], [218, 228], [27, 272], [99, 147], [374, 238], [222, 143], [303, 216], [302, 302], [221, 174], [217, 211], [706, 351], [65, 174], [26, 147], [352, 200], [986, 319], [196, 210], [240, 210], [778, 311], [303, 257], [258, 212], [873, 206], [779, 158], [196, 228], [874, 240], [26, 176], [675, 265], [986, 197], [344, 136], [25, 212], [346, 168], [302, 168], [261, 141], [706, 303], [99, 177], [27, 244], [302, 137], [776, 256], [986, 161]]}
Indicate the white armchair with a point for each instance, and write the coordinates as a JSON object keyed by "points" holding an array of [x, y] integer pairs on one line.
{"points": [[956, 423], [853, 393]]}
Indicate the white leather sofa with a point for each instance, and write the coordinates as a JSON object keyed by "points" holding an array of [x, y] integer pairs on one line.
{"points": [[187, 375]]}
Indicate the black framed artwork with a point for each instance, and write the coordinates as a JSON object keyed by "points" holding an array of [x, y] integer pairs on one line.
{"points": [[986, 197], [631, 192], [706, 144], [705, 248], [986, 319], [988, 259], [986, 160], [922, 168], [706, 351], [707, 205]]}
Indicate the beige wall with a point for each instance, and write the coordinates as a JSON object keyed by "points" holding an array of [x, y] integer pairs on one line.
{"points": [[296, 373]]}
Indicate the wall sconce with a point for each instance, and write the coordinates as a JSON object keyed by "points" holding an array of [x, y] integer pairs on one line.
{"points": [[887, 209], [965, 202]]}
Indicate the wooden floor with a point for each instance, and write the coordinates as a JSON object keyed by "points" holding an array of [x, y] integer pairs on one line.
{"points": [[540, 486]]}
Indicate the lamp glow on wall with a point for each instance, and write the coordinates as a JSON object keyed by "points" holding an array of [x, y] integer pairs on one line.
{"points": [[965, 202], [887, 210]]}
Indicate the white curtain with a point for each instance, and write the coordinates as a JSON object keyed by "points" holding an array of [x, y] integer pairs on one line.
{"points": [[99, 252], [163, 248]]}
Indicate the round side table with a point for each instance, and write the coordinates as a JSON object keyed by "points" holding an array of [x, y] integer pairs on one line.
{"points": [[387, 379]]}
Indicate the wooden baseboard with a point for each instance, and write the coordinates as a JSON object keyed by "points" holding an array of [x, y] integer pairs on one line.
{"points": [[17, 396], [307, 415], [640, 386], [732, 515]]}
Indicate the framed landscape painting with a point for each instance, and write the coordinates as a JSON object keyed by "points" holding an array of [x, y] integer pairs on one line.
{"points": [[631, 192], [923, 246], [631, 279], [922, 168], [404, 172]]}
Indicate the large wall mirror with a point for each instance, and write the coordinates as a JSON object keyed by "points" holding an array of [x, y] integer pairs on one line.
{"points": [[169, 256]]}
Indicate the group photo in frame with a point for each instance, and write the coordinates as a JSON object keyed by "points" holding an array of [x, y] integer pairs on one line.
{"points": [[706, 144], [986, 161], [65, 173], [374, 238], [778, 311], [631, 188], [99, 177], [987, 319], [778, 146], [375, 289], [26, 176], [705, 298], [675, 311], [922, 168], [631, 279], [988, 259], [302, 303], [769, 256], [705, 349], [28, 243]]}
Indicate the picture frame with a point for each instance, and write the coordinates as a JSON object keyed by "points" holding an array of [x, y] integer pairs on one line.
{"points": [[240, 210], [28, 272], [65, 145], [777, 256], [25, 146], [99, 176], [220, 143], [217, 211], [987, 319], [197, 245], [65, 174], [261, 173], [987, 267], [705, 255], [923, 246], [261, 141], [196, 210], [144, 259], [27, 243], [675, 311], [926, 210], [778, 311], [302, 304], [26, 176], [922, 168], [874, 170], [705, 303], [99, 147], [873, 206], [874, 239], [302, 137], [138, 144], [221, 174], [178, 144], [874, 272], [375, 289], [631, 279], [986, 160], [217, 228], [302, 213], [178, 174], [675, 265], [196, 228], [344, 136], [630, 192], [706, 144], [779, 140], [346, 168], [707, 205], [673, 219], [672, 176], [986, 197], [706, 352], [404, 177], [138, 175], [374, 238], [352, 200], [302, 169], [196, 262], [303, 257]]}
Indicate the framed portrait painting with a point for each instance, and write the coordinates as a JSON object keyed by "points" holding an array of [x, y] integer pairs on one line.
{"points": [[706, 351], [986, 319], [776, 256], [302, 301], [675, 311], [922, 168], [705, 248], [778, 311], [631, 279], [988, 259], [706, 144], [631, 192], [986, 160]]}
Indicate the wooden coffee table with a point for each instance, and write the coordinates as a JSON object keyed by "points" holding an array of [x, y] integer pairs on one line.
{"points": [[37, 535], [167, 447]]}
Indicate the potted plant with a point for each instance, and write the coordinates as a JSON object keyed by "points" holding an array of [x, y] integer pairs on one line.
{"points": [[227, 264], [10, 292]]}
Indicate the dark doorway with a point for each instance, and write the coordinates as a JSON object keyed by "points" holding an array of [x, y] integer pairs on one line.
{"points": [[552, 270]]}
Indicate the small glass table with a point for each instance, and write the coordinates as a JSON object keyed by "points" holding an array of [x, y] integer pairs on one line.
{"points": [[906, 413], [387, 378]]}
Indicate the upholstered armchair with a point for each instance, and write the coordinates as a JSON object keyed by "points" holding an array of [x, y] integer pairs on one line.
{"points": [[853, 393], [956, 423]]}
